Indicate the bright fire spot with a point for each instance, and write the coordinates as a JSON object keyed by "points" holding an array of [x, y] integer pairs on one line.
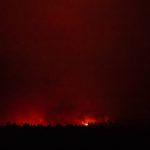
{"points": [[88, 120], [85, 124]]}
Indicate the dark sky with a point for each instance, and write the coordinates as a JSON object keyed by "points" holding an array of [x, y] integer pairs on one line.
{"points": [[62, 60]]}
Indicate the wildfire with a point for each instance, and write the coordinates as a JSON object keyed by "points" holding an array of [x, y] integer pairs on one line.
{"points": [[85, 124], [88, 120]]}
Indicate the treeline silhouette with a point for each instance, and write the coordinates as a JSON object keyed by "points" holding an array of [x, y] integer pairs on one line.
{"points": [[94, 136]]}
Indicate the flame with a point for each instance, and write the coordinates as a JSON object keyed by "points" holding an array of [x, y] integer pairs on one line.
{"points": [[85, 124], [88, 120]]}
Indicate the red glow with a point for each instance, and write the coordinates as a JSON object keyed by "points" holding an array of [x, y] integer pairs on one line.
{"points": [[89, 120], [32, 120], [71, 62], [35, 119]]}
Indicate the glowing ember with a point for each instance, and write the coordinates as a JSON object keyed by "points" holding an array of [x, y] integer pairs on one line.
{"points": [[88, 120], [85, 124]]}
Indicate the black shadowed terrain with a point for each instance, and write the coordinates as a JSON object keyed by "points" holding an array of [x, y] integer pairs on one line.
{"points": [[106, 136]]}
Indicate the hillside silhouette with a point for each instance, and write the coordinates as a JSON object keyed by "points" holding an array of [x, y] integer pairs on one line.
{"points": [[108, 136]]}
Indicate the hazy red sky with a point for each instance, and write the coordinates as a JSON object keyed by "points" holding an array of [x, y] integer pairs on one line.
{"points": [[65, 59]]}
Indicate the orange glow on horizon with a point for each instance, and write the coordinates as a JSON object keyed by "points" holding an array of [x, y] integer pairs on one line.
{"points": [[31, 121], [34, 119], [85, 124], [88, 120]]}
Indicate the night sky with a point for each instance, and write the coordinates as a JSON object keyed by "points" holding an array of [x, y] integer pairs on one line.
{"points": [[64, 60]]}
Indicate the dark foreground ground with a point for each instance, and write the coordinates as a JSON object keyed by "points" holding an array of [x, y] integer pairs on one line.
{"points": [[73, 137]]}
